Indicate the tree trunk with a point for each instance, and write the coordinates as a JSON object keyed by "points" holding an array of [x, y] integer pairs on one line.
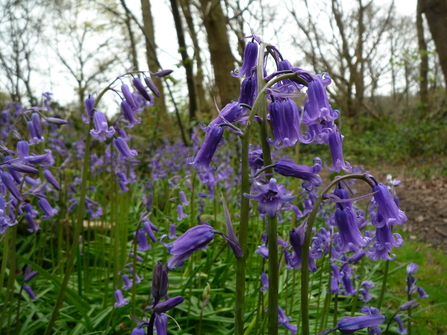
{"points": [[221, 57], [133, 48], [422, 47], [436, 13], [202, 103], [151, 55], [187, 63]]}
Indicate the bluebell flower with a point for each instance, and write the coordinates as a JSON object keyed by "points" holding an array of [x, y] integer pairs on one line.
{"points": [[202, 160], [422, 293], [412, 304], [140, 88], [168, 304], [285, 119], [128, 113], [231, 113], [384, 241], [390, 213], [128, 96], [89, 104], [142, 241], [349, 288], [120, 301], [163, 73], [181, 213], [309, 174], [161, 324], [271, 197], [264, 282], [283, 320], [50, 178], [317, 107], [147, 226], [30, 292], [101, 127], [159, 282], [152, 86], [351, 324], [194, 239], [10, 185], [127, 283], [125, 153], [335, 140], [400, 324], [297, 236], [35, 117], [249, 61], [32, 224], [249, 88], [47, 209]]}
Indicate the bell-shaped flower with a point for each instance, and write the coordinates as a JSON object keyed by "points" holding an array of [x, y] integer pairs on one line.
{"points": [[283, 320], [47, 209], [249, 61], [285, 119], [101, 127], [387, 207], [181, 213], [194, 239], [120, 301], [309, 174], [384, 241], [271, 197], [159, 282], [89, 103], [202, 160], [249, 88], [231, 113], [336, 147], [128, 113], [149, 82], [50, 178], [140, 88], [317, 107], [351, 324], [142, 241], [10, 185], [294, 260], [35, 117], [161, 323], [125, 153], [128, 96], [30, 292]]}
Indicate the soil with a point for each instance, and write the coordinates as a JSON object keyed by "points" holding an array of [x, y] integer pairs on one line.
{"points": [[424, 203]]}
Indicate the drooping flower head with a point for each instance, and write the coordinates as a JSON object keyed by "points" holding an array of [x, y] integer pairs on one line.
{"points": [[202, 160], [309, 174], [249, 61], [101, 127], [271, 197], [351, 324], [390, 214], [336, 146]]}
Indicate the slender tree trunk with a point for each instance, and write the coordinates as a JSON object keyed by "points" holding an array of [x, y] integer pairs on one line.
{"points": [[202, 103], [187, 63], [133, 48], [151, 55], [222, 59], [423, 66], [436, 13]]}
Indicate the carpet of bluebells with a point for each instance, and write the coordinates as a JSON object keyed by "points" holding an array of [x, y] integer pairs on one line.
{"points": [[102, 232]]}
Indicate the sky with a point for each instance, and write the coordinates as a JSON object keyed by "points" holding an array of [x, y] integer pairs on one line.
{"points": [[62, 85]]}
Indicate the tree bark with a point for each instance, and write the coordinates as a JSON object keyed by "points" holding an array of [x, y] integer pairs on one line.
{"points": [[151, 54], [219, 45], [422, 47], [187, 63], [436, 13]]}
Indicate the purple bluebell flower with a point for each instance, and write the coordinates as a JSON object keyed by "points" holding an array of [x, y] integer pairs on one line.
{"points": [[5, 220], [194, 239], [388, 209], [172, 231], [249, 61], [46, 159], [148, 229], [264, 282], [412, 268], [384, 241], [142, 241], [283, 320], [412, 304], [129, 116], [29, 274], [181, 214], [271, 197], [309, 174], [248, 90], [202, 160], [297, 236], [35, 117], [231, 113], [161, 324], [127, 283], [348, 231], [50, 178], [349, 288], [30, 292], [140, 87], [168, 304], [163, 73], [138, 331], [89, 104], [125, 153], [335, 289], [128, 96], [138, 258], [351, 324], [123, 181], [149, 82], [255, 160], [101, 127], [285, 119], [159, 282], [9, 184], [56, 121], [23, 150], [138, 279], [317, 106], [400, 324], [32, 132], [19, 167], [364, 291], [422, 293], [335, 144], [32, 224], [263, 251], [120, 301], [47, 209], [183, 199]]}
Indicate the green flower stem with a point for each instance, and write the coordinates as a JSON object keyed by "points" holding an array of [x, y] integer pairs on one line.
{"points": [[245, 204], [80, 219], [305, 248], [334, 324], [383, 288]]}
